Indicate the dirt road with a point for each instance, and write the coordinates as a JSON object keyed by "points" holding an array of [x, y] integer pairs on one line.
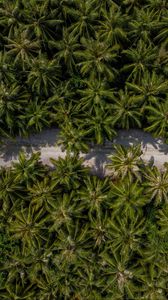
{"points": [[154, 150]]}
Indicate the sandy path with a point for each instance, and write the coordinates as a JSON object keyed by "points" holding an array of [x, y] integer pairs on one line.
{"points": [[153, 149]]}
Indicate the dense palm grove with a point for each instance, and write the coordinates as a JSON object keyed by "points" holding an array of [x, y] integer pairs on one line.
{"points": [[89, 67], [66, 234], [88, 64]]}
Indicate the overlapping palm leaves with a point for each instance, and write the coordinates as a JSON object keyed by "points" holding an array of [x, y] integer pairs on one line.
{"points": [[44, 43], [69, 235], [75, 235]]}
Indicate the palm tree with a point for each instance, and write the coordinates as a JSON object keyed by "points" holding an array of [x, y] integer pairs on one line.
{"points": [[44, 75], [96, 59], [126, 162], [151, 88], [142, 25], [6, 69], [99, 126], [29, 226], [156, 184], [66, 48], [95, 93], [72, 138], [162, 31], [11, 17], [35, 117], [118, 275], [94, 194], [127, 198], [141, 58], [62, 212], [111, 27], [43, 194], [41, 22], [13, 97], [83, 17], [69, 171], [126, 234], [28, 170], [125, 110], [158, 119], [21, 49]]}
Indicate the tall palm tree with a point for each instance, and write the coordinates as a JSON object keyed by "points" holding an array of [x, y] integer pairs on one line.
{"points": [[125, 110], [99, 126], [29, 226], [111, 27], [141, 58], [11, 17], [13, 97], [35, 117], [97, 59], [156, 184], [66, 48], [158, 119], [28, 170], [127, 198], [44, 75], [126, 234], [95, 93], [83, 16], [118, 274], [126, 162], [151, 88], [142, 25], [21, 49], [69, 171], [43, 22]]}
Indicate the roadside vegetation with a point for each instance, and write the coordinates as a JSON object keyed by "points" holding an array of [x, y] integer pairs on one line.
{"points": [[87, 67], [66, 234]]}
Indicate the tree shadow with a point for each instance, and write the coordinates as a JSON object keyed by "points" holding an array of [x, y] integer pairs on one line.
{"points": [[10, 148], [97, 158]]}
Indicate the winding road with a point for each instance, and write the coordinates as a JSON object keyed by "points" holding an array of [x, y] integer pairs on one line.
{"points": [[154, 150]]}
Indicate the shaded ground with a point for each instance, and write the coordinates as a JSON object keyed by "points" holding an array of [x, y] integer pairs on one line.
{"points": [[154, 150]]}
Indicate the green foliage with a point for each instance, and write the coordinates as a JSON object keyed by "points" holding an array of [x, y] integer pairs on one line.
{"points": [[76, 61], [66, 234]]}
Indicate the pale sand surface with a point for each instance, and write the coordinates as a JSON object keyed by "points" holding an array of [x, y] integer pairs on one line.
{"points": [[154, 150]]}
